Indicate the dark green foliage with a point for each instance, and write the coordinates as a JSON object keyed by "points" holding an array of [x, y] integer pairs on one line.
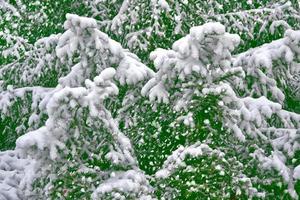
{"points": [[156, 134]]}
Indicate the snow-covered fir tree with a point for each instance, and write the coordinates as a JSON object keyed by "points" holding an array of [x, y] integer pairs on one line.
{"points": [[157, 99]]}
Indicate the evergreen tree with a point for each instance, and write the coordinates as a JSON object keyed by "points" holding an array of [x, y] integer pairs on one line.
{"points": [[203, 103]]}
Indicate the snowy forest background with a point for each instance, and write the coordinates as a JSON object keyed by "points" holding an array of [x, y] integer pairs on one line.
{"points": [[149, 99]]}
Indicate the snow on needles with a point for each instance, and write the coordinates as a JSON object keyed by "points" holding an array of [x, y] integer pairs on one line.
{"points": [[83, 37]]}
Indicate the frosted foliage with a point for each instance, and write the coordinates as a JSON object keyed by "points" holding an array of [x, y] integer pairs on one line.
{"points": [[15, 45], [268, 64], [268, 18], [218, 117], [97, 51], [247, 118], [58, 55], [199, 57], [177, 158], [41, 147], [12, 15], [38, 61], [34, 108], [46, 143], [126, 18], [178, 161], [251, 115], [11, 94], [53, 134], [131, 12], [129, 182]]}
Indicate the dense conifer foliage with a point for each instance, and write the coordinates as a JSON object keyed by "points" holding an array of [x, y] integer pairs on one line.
{"points": [[149, 99]]}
